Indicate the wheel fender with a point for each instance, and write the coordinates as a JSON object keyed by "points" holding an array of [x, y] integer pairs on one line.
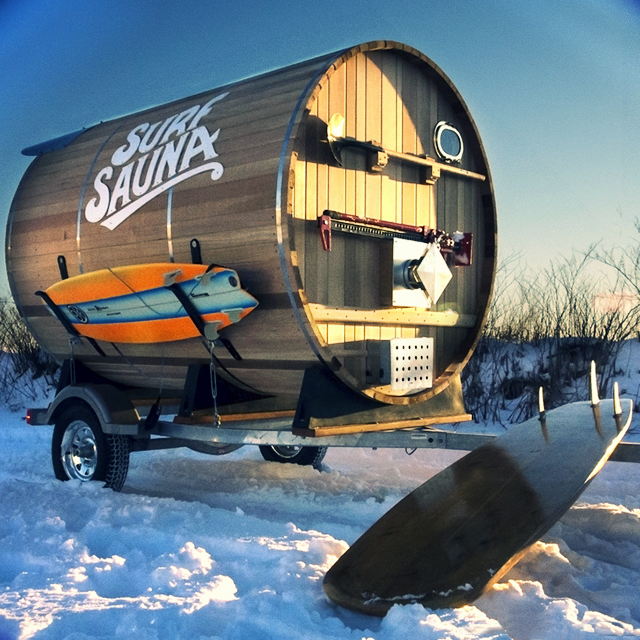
{"points": [[114, 410]]}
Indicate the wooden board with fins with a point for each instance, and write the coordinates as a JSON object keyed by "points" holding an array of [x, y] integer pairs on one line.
{"points": [[453, 537]]}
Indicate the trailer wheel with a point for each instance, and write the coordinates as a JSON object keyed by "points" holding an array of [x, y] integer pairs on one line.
{"points": [[294, 455], [80, 450]]}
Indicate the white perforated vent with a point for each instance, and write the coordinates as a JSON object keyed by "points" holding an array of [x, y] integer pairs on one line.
{"points": [[407, 363]]}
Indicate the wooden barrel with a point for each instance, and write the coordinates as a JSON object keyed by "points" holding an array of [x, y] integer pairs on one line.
{"points": [[309, 182]]}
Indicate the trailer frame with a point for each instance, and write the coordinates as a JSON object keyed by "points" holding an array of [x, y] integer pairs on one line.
{"points": [[120, 417]]}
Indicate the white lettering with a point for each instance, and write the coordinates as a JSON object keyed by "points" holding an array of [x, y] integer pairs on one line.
{"points": [[125, 153], [146, 144], [97, 207], [177, 142], [169, 160], [179, 125], [206, 110], [122, 214], [199, 142], [122, 188], [137, 188]]}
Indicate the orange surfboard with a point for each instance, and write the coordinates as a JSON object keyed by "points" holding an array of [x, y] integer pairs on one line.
{"points": [[136, 304]]}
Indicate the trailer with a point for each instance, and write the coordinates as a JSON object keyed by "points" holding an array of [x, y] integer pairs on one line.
{"points": [[298, 260]]}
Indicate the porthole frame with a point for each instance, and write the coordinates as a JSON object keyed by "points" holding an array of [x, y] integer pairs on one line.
{"points": [[440, 128]]}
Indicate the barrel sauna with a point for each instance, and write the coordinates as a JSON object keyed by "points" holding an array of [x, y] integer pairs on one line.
{"points": [[341, 190]]}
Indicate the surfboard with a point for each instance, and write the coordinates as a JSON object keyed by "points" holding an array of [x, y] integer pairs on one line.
{"points": [[453, 537], [136, 303]]}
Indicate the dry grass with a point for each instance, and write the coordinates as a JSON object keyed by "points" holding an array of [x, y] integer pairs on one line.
{"points": [[543, 330], [26, 371]]}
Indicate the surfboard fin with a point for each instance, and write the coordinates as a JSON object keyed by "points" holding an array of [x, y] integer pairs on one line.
{"points": [[595, 399], [211, 331], [542, 415], [617, 407], [171, 278], [593, 385]]}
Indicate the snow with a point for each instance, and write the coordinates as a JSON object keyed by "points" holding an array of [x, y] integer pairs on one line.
{"points": [[232, 547]]}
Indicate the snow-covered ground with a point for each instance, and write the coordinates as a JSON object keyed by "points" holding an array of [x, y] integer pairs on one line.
{"points": [[198, 547]]}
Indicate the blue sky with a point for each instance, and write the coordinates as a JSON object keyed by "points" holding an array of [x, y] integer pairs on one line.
{"points": [[554, 86]]}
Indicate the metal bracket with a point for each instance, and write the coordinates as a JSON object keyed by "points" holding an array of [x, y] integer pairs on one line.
{"points": [[378, 157], [199, 323], [337, 141], [324, 224], [431, 173], [62, 266], [64, 321], [196, 253]]}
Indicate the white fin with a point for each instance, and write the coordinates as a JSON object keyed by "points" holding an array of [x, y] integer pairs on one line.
{"points": [[593, 384], [617, 407], [171, 277]]}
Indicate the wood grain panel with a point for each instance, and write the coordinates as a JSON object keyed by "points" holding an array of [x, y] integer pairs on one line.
{"points": [[389, 98]]}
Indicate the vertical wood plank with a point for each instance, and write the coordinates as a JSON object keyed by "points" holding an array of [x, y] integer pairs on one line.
{"points": [[321, 196], [336, 194], [389, 137], [410, 175], [351, 117], [373, 129], [311, 205], [361, 130]]}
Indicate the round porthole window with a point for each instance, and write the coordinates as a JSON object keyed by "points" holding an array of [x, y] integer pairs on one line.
{"points": [[448, 142]]}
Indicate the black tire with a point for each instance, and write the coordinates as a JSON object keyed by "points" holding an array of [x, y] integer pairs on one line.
{"points": [[80, 450], [294, 455]]}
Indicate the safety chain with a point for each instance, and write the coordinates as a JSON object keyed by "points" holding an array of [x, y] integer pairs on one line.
{"points": [[72, 359], [213, 377]]}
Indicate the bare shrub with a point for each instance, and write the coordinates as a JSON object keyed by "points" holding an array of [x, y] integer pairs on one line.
{"points": [[543, 331], [26, 371], [624, 262]]}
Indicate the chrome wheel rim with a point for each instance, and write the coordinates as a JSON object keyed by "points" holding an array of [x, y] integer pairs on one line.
{"points": [[285, 451], [79, 451]]}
